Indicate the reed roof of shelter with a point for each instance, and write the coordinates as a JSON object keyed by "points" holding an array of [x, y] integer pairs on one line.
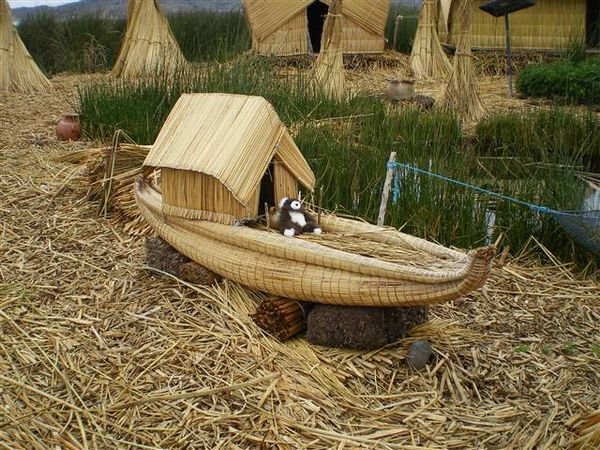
{"points": [[231, 137]]}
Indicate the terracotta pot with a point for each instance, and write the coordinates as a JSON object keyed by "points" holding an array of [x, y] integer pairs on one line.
{"points": [[400, 89], [68, 128]]}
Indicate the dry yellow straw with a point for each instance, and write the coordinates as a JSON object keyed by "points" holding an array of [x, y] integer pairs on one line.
{"points": [[329, 67], [461, 94], [18, 70], [149, 47], [427, 59]]}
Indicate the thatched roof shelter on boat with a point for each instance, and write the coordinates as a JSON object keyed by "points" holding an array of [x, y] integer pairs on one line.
{"points": [[549, 25], [18, 70], [294, 27], [222, 156]]}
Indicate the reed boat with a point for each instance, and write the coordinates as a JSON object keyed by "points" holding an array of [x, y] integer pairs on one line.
{"points": [[220, 158], [311, 270]]}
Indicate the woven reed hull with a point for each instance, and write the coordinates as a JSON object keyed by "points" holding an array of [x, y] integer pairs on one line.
{"points": [[303, 270]]}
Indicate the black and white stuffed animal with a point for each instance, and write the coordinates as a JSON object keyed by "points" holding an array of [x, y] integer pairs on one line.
{"points": [[293, 219]]}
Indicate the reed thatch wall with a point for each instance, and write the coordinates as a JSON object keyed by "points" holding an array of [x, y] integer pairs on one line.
{"points": [[194, 195], [18, 70], [549, 25], [281, 27]]}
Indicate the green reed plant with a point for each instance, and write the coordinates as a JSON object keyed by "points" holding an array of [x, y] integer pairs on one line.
{"points": [[140, 107], [407, 27], [553, 136], [209, 35], [79, 44]]}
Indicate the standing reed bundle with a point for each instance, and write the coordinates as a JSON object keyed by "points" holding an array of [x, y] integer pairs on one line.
{"points": [[281, 317], [427, 59], [461, 94], [18, 70], [149, 47], [329, 67]]}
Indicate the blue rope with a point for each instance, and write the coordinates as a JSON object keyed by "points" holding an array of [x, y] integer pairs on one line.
{"points": [[396, 192]]}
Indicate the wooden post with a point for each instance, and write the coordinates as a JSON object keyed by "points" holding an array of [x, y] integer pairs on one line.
{"points": [[508, 56], [399, 18], [385, 195]]}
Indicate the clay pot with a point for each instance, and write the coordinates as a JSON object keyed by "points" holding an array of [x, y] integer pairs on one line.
{"points": [[400, 89], [68, 128]]}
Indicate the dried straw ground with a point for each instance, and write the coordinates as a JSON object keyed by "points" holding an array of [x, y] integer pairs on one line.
{"points": [[96, 352]]}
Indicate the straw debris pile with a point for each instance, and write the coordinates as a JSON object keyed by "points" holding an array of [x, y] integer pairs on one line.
{"points": [[427, 58], [107, 177], [461, 94], [95, 352], [329, 67], [18, 70], [149, 47]]}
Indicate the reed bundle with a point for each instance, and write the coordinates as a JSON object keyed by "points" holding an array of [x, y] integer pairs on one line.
{"points": [[461, 94], [149, 47], [109, 176], [281, 317], [18, 70], [427, 59], [329, 67]]}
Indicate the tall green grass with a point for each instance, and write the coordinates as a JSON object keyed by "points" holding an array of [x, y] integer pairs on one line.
{"points": [[550, 136], [141, 107], [82, 44], [207, 35], [407, 27], [91, 43]]}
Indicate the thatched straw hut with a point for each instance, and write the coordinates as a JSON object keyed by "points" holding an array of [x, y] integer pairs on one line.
{"points": [[427, 58], [222, 156], [149, 46], [329, 67], [18, 70], [549, 25], [294, 27], [461, 94]]}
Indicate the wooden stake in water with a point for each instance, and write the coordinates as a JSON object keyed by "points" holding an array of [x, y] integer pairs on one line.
{"points": [[385, 195]]}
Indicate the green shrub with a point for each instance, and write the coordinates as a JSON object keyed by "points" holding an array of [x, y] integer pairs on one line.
{"points": [[573, 81]]}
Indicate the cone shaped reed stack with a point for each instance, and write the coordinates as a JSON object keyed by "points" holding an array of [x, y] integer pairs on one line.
{"points": [[281, 317], [18, 70], [461, 94], [427, 59], [329, 67], [149, 47]]}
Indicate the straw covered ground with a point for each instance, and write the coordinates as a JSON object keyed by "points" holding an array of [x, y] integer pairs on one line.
{"points": [[97, 352]]}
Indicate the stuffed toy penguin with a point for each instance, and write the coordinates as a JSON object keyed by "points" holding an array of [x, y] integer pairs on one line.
{"points": [[292, 218]]}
